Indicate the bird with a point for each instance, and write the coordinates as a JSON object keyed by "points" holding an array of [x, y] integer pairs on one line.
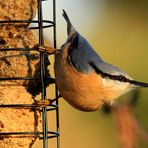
{"points": [[83, 78]]}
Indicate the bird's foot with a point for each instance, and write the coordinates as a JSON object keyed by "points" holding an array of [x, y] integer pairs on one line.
{"points": [[42, 48], [45, 103]]}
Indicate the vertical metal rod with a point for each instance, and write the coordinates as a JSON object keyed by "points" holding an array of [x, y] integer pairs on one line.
{"points": [[40, 21], [54, 20], [42, 74], [56, 91]]}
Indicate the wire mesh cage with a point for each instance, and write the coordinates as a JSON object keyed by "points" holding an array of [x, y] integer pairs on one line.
{"points": [[41, 24]]}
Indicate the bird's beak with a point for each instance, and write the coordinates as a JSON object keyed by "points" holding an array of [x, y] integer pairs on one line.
{"points": [[138, 84]]}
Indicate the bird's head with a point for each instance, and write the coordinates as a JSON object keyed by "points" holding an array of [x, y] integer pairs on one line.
{"points": [[117, 80]]}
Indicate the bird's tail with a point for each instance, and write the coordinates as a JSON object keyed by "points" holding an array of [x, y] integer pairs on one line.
{"points": [[70, 28]]}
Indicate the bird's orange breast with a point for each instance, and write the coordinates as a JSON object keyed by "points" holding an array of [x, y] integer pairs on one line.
{"points": [[83, 91]]}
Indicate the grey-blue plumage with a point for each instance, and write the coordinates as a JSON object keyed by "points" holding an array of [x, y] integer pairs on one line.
{"points": [[81, 53], [82, 56]]}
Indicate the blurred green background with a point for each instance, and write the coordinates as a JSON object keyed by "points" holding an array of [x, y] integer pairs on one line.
{"points": [[118, 30]]}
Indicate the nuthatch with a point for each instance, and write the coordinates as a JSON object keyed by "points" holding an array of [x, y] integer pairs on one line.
{"points": [[83, 78]]}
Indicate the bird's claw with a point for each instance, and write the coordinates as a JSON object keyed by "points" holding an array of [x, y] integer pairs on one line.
{"points": [[44, 103], [42, 48]]}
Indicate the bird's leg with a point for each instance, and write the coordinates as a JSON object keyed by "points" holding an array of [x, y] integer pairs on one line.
{"points": [[59, 96], [49, 50], [46, 102], [42, 103]]}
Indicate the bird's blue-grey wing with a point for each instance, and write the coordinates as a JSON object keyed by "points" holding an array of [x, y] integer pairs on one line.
{"points": [[81, 53], [83, 57]]}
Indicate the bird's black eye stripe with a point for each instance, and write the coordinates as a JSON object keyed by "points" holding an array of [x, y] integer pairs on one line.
{"points": [[106, 75], [121, 78]]}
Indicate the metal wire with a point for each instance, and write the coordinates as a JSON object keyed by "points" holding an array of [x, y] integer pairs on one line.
{"points": [[45, 135], [56, 90]]}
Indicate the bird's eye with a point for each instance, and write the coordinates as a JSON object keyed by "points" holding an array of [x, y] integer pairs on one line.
{"points": [[121, 78]]}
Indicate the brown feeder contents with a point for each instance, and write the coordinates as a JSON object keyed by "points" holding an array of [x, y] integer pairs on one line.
{"points": [[20, 63], [17, 63], [16, 119], [17, 10]]}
